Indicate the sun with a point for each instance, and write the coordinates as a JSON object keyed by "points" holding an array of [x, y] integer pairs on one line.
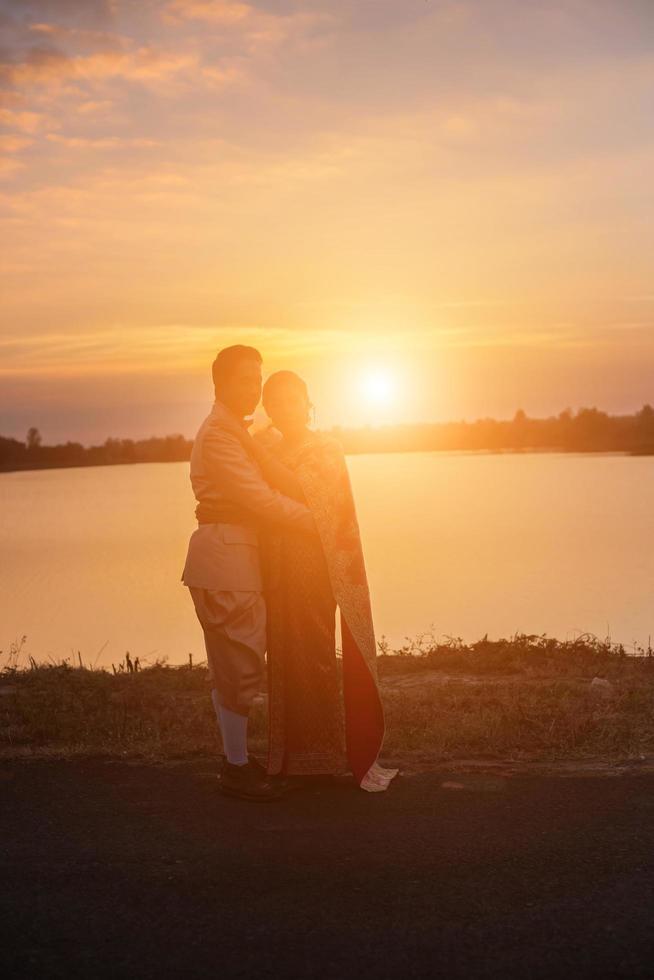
{"points": [[378, 387]]}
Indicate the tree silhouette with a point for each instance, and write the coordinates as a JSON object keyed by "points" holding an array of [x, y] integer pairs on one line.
{"points": [[33, 440]]}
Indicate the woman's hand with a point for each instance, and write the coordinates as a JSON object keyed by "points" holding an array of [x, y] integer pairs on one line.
{"points": [[276, 473]]}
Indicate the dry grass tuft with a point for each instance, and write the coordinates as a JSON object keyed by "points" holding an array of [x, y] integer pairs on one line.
{"points": [[527, 697]]}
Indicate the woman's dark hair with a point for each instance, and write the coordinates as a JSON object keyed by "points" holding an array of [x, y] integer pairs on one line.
{"points": [[228, 358], [284, 379]]}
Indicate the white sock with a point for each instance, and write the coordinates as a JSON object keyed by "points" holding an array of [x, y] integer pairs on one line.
{"points": [[234, 730], [216, 704]]}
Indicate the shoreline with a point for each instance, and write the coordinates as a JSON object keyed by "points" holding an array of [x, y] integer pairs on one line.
{"points": [[526, 451]]}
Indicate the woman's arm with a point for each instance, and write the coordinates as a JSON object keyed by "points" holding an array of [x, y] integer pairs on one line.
{"points": [[279, 477]]}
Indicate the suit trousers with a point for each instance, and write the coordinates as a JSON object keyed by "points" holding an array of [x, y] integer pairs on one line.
{"points": [[234, 626]]}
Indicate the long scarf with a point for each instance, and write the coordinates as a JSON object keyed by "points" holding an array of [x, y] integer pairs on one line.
{"points": [[320, 466]]}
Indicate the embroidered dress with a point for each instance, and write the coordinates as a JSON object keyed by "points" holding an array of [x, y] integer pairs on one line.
{"points": [[322, 720]]}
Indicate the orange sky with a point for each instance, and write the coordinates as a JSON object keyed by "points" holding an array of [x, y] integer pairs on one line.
{"points": [[456, 192]]}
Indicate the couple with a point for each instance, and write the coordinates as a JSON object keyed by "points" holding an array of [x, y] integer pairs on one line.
{"points": [[276, 550]]}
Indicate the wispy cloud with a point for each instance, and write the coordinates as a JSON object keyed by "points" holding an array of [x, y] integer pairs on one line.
{"points": [[170, 347], [208, 11], [100, 142], [24, 122], [13, 144], [252, 24], [45, 66]]}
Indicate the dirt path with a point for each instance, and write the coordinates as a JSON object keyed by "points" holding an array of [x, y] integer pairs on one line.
{"points": [[117, 869]]}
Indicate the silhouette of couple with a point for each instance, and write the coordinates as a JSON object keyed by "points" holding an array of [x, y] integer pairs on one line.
{"points": [[277, 550]]}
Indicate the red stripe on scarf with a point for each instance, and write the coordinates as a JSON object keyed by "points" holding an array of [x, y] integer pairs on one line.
{"points": [[364, 715]]}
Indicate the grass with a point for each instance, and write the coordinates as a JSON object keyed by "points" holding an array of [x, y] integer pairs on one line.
{"points": [[529, 697]]}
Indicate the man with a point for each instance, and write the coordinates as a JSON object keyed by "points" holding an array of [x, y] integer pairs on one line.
{"points": [[222, 569]]}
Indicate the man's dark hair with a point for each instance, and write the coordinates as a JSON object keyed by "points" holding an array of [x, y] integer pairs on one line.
{"points": [[228, 358]]}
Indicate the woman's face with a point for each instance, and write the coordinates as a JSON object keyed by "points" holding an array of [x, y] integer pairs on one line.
{"points": [[288, 409]]}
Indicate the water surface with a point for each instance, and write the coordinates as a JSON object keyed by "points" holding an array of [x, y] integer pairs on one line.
{"points": [[463, 543]]}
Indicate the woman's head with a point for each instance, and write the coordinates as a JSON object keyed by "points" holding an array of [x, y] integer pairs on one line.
{"points": [[286, 400]]}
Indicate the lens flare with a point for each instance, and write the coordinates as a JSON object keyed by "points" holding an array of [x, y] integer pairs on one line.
{"points": [[378, 387]]}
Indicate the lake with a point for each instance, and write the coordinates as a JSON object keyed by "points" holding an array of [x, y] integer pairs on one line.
{"points": [[461, 543]]}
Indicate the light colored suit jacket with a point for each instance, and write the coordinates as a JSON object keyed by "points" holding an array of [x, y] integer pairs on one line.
{"points": [[226, 556]]}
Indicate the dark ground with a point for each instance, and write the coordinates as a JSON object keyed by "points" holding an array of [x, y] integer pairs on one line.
{"points": [[115, 869]]}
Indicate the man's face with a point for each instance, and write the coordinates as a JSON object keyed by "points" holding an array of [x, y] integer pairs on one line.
{"points": [[242, 390]]}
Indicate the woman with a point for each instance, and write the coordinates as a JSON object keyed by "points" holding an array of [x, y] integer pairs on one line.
{"points": [[308, 577]]}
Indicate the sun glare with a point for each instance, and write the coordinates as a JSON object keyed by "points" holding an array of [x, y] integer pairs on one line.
{"points": [[378, 387]]}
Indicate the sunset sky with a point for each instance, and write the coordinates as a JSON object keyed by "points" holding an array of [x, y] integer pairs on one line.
{"points": [[455, 196]]}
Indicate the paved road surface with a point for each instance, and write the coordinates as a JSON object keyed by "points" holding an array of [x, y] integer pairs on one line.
{"points": [[111, 869]]}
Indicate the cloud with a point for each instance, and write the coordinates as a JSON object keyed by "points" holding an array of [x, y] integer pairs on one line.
{"points": [[80, 38], [171, 348], [91, 13], [13, 144], [22, 120], [130, 347], [94, 106], [102, 142], [419, 137], [9, 166], [46, 65], [208, 11], [251, 27]]}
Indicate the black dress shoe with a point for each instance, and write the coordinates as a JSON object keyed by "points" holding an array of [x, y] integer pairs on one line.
{"points": [[279, 780], [247, 782], [259, 766]]}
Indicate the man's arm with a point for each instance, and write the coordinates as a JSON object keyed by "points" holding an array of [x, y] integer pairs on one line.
{"points": [[235, 473]]}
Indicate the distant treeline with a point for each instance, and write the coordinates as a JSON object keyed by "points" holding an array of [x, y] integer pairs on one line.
{"points": [[587, 430], [33, 455]]}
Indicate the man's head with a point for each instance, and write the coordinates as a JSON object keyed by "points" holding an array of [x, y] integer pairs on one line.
{"points": [[237, 378]]}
